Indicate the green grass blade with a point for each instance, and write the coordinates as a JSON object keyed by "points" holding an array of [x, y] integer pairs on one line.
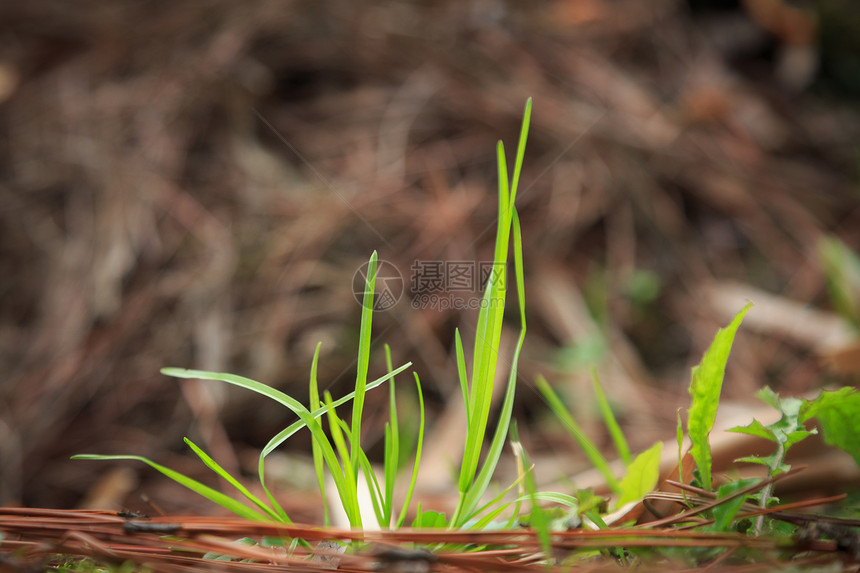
{"points": [[479, 485], [705, 389], [494, 507], [537, 517], [348, 482], [216, 467], [377, 496], [415, 465], [521, 150], [487, 337], [611, 423], [287, 432], [591, 451], [306, 419], [213, 495], [489, 330], [362, 362], [392, 445], [373, 487], [316, 451], [461, 374], [242, 382]]}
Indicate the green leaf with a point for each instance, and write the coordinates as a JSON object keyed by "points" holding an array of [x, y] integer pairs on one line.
{"points": [[705, 388], [755, 428], [786, 431], [773, 462], [429, 519], [724, 513], [838, 413], [642, 475]]}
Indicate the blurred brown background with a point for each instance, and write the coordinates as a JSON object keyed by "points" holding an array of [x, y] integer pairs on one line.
{"points": [[195, 184]]}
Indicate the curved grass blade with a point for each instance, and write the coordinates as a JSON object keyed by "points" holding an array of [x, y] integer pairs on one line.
{"points": [[213, 495], [287, 432], [216, 467]]}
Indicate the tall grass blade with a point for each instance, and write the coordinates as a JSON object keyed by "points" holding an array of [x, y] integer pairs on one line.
{"points": [[611, 423], [591, 451], [489, 329], [470, 500], [362, 363]]}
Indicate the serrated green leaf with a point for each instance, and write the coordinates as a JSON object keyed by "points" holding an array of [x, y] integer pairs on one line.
{"points": [[838, 412], [755, 428], [705, 391]]}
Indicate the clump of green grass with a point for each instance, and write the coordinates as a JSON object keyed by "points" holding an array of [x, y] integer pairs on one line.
{"points": [[338, 451]]}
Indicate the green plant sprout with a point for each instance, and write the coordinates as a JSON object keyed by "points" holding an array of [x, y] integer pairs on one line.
{"points": [[337, 445], [341, 454], [785, 432], [342, 462], [705, 388], [641, 473]]}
